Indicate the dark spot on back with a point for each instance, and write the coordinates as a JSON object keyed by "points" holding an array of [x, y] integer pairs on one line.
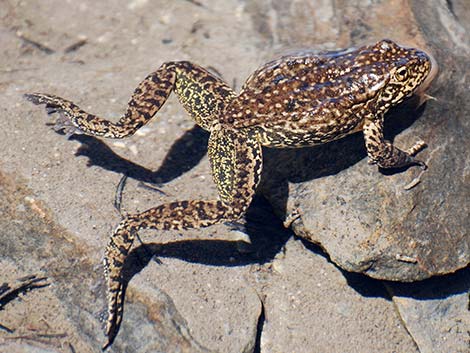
{"points": [[277, 79], [290, 106], [304, 86], [266, 89]]}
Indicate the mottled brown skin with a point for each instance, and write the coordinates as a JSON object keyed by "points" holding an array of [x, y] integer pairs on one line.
{"points": [[295, 101]]}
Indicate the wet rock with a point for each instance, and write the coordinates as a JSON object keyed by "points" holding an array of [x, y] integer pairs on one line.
{"points": [[396, 225]]}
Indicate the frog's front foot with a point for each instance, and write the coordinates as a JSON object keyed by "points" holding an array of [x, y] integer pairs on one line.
{"points": [[386, 155], [58, 105]]}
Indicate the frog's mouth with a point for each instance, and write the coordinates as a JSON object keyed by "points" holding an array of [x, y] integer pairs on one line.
{"points": [[421, 90]]}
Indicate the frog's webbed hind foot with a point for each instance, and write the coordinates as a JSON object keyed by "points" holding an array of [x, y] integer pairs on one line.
{"points": [[115, 303], [66, 110], [115, 256], [147, 99], [63, 124], [172, 216]]}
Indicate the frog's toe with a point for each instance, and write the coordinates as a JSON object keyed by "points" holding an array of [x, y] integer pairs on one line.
{"points": [[37, 98], [412, 161], [416, 148], [65, 125], [292, 217], [421, 164]]}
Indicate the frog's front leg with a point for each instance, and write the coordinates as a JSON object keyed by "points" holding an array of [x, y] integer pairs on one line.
{"points": [[201, 93], [384, 153], [236, 163]]}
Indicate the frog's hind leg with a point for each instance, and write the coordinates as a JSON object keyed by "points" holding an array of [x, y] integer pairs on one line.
{"points": [[202, 94], [236, 162], [384, 153]]}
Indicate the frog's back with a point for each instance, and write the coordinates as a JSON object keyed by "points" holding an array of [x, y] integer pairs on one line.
{"points": [[315, 98], [315, 88], [309, 88]]}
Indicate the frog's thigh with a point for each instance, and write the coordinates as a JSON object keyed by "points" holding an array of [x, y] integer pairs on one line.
{"points": [[202, 94], [236, 161], [384, 153]]}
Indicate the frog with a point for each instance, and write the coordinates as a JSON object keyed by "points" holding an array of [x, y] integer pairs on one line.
{"points": [[298, 100]]}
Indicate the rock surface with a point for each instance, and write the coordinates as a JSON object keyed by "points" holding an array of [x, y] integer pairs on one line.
{"points": [[65, 316], [436, 312], [210, 293], [369, 221], [299, 311]]}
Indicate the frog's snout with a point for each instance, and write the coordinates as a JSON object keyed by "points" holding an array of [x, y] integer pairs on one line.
{"points": [[432, 72]]}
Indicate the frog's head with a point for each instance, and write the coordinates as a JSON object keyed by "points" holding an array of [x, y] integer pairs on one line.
{"points": [[410, 71]]}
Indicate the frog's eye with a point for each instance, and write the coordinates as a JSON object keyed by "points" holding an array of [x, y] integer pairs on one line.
{"points": [[402, 73]]}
